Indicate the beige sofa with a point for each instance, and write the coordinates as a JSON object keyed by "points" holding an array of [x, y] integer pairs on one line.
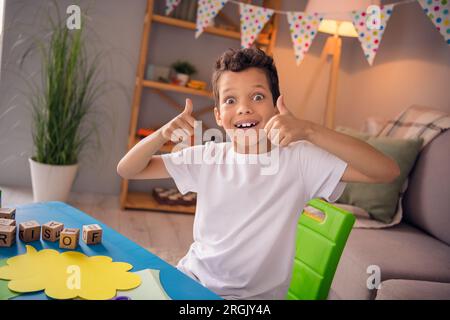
{"points": [[414, 256]]}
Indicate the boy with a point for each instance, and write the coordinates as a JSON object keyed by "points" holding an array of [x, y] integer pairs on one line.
{"points": [[245, 222]]}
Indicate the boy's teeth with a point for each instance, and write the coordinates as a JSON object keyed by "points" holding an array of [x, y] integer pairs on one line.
{"points": [[246, 125]]}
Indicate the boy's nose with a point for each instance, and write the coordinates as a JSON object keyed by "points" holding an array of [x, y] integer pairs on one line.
{"points": [[244, 110]]}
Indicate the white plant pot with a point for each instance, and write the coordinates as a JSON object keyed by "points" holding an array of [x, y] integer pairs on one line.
{"points": [[182, 79], [51, 182]]}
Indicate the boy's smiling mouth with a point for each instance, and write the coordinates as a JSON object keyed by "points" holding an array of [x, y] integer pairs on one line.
{"points": [[246, 124]]}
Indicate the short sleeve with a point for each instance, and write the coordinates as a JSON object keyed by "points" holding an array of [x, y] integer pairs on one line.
{"points": [[184, 167], [321, 172]]}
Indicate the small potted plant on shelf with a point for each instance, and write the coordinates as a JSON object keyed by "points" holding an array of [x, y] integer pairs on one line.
{"points": [[182, 71]]}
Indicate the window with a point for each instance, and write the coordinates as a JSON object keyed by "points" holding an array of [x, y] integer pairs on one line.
{"points": [[2, 3], [1, 17]]}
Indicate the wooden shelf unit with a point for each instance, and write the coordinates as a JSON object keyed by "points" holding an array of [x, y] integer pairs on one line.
{"points": [[176, 88], [266, 41], [262, 38], [164, 149], [145, 201]]}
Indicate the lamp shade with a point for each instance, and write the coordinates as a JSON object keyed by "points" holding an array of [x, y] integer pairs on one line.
{"points": [[337, 14]]}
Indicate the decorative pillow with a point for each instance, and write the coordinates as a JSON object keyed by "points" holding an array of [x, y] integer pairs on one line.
{"points": [[354, 133], [380, 199]]}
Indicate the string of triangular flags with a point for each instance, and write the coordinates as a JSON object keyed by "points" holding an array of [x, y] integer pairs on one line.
{"points": [[303, 26]]}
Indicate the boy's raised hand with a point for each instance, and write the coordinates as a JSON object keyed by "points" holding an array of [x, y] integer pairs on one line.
{"points": [[180, 127], [285, 126]]}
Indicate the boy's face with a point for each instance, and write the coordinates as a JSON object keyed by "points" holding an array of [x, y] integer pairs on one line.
{"points": [[245, 100]]}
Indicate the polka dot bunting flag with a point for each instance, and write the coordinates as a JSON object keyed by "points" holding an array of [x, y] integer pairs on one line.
{"points": [[253, 19], [206, 11], [437, 11], [171, 5], [303, 27], [371, 38]]}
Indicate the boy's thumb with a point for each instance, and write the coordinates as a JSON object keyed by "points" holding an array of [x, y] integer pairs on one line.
{"points": [[281, 107], [188, 107]]}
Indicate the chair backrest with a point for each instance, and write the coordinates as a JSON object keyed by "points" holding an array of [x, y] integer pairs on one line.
{"points": [[322, 233]]}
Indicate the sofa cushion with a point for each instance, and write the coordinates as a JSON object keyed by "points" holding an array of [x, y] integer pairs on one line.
{"points": [[426, 203], [413, 290], [380, 200], [401, 252]]}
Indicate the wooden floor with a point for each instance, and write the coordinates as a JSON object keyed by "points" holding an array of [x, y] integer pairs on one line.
{"points": [[167, 235]]}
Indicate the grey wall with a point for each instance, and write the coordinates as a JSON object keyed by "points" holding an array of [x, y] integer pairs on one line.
{"points": [[114, 27], [412, 66]]}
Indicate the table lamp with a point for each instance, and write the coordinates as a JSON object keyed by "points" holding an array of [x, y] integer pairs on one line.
{"points": [[337, 22]]}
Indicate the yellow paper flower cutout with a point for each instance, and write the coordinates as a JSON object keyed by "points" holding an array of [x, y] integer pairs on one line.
{"points": [[68, 275]]}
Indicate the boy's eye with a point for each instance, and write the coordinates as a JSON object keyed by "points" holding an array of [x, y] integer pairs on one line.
{"points": [[258, 97], [230, 100]]}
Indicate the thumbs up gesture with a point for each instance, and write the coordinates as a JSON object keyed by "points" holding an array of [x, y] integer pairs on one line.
{"points": [[182, 126], [283, 128], [281, 106]]}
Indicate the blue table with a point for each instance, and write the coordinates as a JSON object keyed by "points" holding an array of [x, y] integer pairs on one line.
{"points": [[118, 247]]}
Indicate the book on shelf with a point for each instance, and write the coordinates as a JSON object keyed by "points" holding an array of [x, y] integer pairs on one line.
{"points": [[192, 11], [186, 10], [184, 6], [176, 12]]}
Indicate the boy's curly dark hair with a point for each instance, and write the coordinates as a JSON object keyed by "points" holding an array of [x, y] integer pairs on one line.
{"points": [[241, 59]]}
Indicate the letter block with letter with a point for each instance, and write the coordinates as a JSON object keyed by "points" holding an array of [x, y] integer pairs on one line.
{"points": [[7, 235], [29, 231], [92, 234], [51, 231], [7, 213], [69, 238], [7, 222]]}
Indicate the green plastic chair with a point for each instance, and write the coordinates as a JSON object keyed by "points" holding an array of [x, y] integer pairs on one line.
{"points": [[322, 233]]}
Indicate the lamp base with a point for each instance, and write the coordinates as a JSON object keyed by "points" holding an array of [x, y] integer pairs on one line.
{"points": [[334, 49], [331, 48]]}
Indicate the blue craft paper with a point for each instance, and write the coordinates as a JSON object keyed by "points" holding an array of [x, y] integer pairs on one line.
{"points": [[176, 284]]}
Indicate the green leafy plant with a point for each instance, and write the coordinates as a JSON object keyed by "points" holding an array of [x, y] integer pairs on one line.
{"points": [[66, 96], [184, 67]]}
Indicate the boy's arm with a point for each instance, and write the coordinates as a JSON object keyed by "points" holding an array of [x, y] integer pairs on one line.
{"points": [[141, 163], [364, 162]]}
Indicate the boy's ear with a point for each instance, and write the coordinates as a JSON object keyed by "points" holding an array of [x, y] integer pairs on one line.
{"points": [[217, 116]]}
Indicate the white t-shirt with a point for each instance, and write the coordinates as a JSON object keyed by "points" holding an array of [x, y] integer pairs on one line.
{"points": [[247, 212]]}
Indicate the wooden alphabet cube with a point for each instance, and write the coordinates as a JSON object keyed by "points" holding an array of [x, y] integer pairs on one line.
{"points": [[29, 231], [7, 222], [8, 213], [69, 238], [7, 235], [51, 231], [92, 234]]}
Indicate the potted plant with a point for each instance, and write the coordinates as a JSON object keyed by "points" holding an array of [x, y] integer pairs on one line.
{"points": [[182, 71], [60, 106]]}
